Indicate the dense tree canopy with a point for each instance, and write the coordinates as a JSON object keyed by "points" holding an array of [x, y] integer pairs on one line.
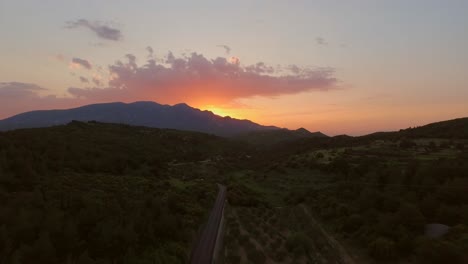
{"points": [[99, 193]]}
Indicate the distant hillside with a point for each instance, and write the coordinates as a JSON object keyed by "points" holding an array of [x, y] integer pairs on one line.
{"points": [[150, 114], [450, 129], [455, 128], [270, 137]]}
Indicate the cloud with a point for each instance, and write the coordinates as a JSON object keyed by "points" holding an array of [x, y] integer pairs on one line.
{"points": [[226, 48], [150, 51], [321, 41], [84, 80], [18, 89], [196, 79], [77, 62], [103, 31], [193, 79], [259, 67], [234, 60], [97, 81], [59, 57], [294, 69], [17, 97]]}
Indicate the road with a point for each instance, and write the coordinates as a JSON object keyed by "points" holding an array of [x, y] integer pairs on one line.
{"points": [[204, 249]]}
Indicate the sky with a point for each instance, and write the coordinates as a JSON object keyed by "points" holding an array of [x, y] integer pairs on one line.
{"points": [[341, 67]]}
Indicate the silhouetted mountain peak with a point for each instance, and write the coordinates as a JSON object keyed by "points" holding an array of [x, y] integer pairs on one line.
{"points": [[183, 105], [302, 130], [143, 113]]}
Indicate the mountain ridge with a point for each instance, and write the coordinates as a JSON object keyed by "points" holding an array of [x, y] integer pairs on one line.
{"points": [[141, 113]]}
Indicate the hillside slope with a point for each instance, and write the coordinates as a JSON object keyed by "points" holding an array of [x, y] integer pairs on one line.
{"points": [[103, 193], [272, 137]]}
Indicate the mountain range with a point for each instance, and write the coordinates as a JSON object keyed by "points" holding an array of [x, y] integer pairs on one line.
{"points": [[150, 114]]}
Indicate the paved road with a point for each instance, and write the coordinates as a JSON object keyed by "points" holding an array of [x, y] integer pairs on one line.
{"points": [[204, 249]]}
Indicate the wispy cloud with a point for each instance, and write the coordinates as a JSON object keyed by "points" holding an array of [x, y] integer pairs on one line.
{"points": [[226, 48], [81, 63], [97, 81], [59, 57], [321, 41], [84, 79], [150, 51], [19, 89], [102, 30]]}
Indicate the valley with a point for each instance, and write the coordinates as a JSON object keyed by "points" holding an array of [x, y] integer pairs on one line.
{"points": [[90, 192]]}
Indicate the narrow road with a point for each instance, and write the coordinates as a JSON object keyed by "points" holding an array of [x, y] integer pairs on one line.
{"points": [[204, 249]]}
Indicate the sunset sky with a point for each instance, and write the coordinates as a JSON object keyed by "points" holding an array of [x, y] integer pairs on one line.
{"points": [[340, 67]]}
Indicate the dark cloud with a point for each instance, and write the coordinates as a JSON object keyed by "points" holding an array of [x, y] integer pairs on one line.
{"points": [[82, 62], [83, 79], [321, 41], [101, 30], [226, 48], [195, 78]]}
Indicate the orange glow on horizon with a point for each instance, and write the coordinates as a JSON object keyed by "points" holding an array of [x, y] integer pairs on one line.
{"points": [[219, 111], [237, 113]]}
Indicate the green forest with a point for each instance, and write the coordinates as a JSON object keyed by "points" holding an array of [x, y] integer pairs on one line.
{"points": [[376, 194], [381, 197], [90, 192], [100, 193]]}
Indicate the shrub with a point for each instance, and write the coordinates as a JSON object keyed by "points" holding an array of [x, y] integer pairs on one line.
{"points": [[353, 223], [383, 249], [256, 256], [299, 243], [438, 252]]}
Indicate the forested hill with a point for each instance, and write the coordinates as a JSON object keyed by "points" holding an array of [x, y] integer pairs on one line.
{"points": [[104, 193], [456, 128], [272, 137], [444, 130]]}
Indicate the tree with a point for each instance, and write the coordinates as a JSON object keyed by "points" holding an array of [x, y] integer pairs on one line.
{"points": [[16, 257], [438, 252], [85, 259], [69, 239], [429, 206], [299, 243], [42, 251], [353, 223], [410, 217], [383, 249], [448, 215], [406, 144]]}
